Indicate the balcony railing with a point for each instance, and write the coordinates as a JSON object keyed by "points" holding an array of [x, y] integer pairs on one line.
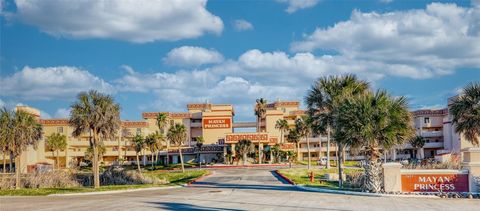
{"points": [[432, 133]]}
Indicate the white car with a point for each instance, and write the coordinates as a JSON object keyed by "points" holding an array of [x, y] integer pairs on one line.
{"points": [[322, 161]]}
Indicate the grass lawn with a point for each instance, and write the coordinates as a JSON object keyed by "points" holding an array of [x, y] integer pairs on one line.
{"points": [[300, 176], [173, 178]]}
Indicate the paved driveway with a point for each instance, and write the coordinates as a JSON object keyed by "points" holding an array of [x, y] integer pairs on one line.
{"points": [[233, 189]]}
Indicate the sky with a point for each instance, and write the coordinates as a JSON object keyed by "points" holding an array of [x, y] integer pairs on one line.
{"points": [[160, 55]]}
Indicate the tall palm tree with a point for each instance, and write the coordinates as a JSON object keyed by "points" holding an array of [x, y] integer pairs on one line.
{"points": [[138, 143], [323, 99], [26, 131], [260, 111], [294, 137], [303, 127], [199, 145], [153, 144], [177, 134], [466, 113], [98, 114], [282, 125], [162, 121], [55, 143], [5, 134], [370, 122], [417, 142], [244, 147]]}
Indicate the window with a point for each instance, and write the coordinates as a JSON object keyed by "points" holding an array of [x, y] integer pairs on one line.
{"points": [[426, 120], [59, 129]]}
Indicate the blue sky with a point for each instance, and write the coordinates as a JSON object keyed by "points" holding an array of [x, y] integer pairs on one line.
{"points": [[160, 55]]}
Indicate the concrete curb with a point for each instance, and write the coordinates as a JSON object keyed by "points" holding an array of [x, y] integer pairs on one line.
{"points": [[245, 166], [323, 190], [199, 179], [115, 191]]}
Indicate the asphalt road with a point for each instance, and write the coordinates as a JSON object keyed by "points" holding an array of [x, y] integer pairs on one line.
{"points": [[232, 189]]}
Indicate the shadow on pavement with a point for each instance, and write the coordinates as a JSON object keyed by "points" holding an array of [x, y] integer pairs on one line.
{"points": [[283, 181], [243, 186], [183, 206]]}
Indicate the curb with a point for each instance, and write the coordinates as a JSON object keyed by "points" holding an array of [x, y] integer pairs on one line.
{"points": [[198, 179], [114, 191], [284, 177]]}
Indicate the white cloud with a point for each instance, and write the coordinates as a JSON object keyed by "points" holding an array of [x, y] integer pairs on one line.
{"points": [[294, 5], [62, 113], [51, 82], [413, 43], [192, 56], [137, 21], [242, 25], [386, 1]]}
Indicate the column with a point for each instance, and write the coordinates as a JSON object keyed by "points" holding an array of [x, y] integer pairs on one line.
{"points": [[225, 154], [260, 152], [392, 178], [471, 162]]}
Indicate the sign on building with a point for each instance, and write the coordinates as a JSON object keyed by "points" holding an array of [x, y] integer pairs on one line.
{"points": [[254, 137], [217, 123], [435, 182]]}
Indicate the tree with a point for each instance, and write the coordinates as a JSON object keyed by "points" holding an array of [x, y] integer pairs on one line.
{"points": [[152, 141], [370, 122], [26, 131], [291, 156], [177, 134], [89, 152], [466, 113], [282, 125], [138, 143], [294, 137], [162, 121], [57, 142], [97, 114], [303, 127], [260, 111], [275, 153], [417, 142], [244, 147], [5, 134], [324, 98], [199, 145]]}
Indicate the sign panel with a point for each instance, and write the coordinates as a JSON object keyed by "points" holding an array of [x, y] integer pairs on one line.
{"points": [[217, 123], [287, 146], [435, 183], [254, 137]]}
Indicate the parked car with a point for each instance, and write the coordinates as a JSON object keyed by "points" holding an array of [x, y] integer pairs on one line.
{"points": [[322, 161]]}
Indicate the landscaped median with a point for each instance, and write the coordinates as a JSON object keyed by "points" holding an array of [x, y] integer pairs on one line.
{"points": [[300, 176], [170, 178]]}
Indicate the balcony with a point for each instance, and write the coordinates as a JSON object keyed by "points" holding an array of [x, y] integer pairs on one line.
{"points": [[433, 145], [79, 143], [428, 134]]}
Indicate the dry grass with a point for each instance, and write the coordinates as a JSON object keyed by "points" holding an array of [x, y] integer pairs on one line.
{"points": [[53, 179]]}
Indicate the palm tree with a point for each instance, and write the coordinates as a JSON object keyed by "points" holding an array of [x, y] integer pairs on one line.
{"points": [[303, 127], [294, 137], [162, 121], [282, 125], [370, 122], [98, 114], [417, 142], [260, 111], [275, 153], [290, 156], [5, 134], [138, 143], [466, 113], [323, 99], [153, 144], [26, 131], [177, 134], [199, 144], [57, 142], [244, 147]]}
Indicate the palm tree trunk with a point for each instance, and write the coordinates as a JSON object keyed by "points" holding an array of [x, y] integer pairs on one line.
{"points": [[339, 164], [152, 159], [328, 147], [4, 162], [10, 162], [244, 160], [96, 171], [298, 151], [17, 171], [58, 159], [181, 158], [167, 159], [138, 164], [372, 172], [308, 150]]}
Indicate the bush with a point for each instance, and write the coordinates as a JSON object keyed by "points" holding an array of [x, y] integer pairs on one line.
{"points": [[52, 179], [119, 176], [355, 179]]}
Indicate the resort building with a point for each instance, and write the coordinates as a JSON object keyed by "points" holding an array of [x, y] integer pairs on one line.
{"points": [[217, 125]]}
